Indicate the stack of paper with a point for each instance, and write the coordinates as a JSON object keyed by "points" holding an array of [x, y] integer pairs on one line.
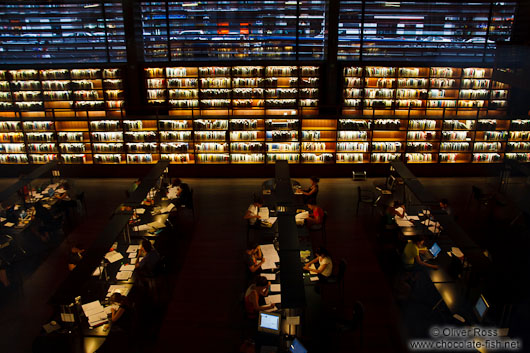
{"points": [[263, 213], [403, 223], [119, 288], [273, 299], [95, 313], [172, 193], [271, 256], [113, 256], [276, 288], [139, 210], [124, 275], [142, 228]]}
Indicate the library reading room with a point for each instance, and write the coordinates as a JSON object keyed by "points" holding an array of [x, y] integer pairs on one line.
{"points": [[264, 176]]}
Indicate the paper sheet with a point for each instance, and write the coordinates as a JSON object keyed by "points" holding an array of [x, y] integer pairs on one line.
{"points": [[270, 253], [313, 278], [124, 275], [127, 268], [263, 213], [133, 248], [157, 225], [133, 261], [273, 299], [113, 256], [413, 218], [457, 252], [269, 276], [302, 215], [142, 227], [139, 210], [403, 223], [9, 224], [97, 271], [132, 255], [275, 288], [123, 289], [167, 209]]}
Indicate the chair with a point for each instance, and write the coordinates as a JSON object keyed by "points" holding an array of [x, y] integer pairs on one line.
{"points": [[365, 196], [189, 204], [478, 195], [80, 198], [339, 278], [353, 323], [321, 227], [359, 176]]}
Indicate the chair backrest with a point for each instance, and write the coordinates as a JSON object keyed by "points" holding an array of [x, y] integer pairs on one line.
{"points": [[342, 270], [358, 314], [324, 218]]}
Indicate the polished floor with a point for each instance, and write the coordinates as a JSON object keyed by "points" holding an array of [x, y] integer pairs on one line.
{"points": [[202, 308]]}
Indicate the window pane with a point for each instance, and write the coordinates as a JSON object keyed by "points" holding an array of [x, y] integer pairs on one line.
{"points": [[68, 32]]}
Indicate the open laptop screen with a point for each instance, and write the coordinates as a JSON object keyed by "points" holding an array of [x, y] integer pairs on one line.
{"points": [[296, 347], [435, 249], [269, 322]]}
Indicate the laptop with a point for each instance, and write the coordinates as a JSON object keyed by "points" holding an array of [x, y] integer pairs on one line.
{"points": [[296, 347], [269, 322], [432, 253]]}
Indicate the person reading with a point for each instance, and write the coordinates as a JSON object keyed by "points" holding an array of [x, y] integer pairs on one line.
{"points": [[150, 257], [322, 264], [183, 193], [255, 297], [310, 194], [252, 214], [75, 256], [254, 259], [316, 215], [411, 254]]}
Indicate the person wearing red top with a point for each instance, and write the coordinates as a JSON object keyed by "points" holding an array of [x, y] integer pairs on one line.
{"points": [[316, 215]]}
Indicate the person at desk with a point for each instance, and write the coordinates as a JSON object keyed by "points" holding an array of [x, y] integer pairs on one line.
{"points": [[150, 258], [397, 208], [411, 254], [119, 317], [183, 192], [75, 256], [444, 205], [252, 214], [45, 221], [325, 265], [310, 194], [254, 259], [255, 297], [316, 215]]}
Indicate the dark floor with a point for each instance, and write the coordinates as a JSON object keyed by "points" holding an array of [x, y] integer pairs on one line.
{"points": [[203, 311]]}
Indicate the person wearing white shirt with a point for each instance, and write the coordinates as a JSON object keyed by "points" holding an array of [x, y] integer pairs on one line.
{"points": [[325, 265], [252, 214]]}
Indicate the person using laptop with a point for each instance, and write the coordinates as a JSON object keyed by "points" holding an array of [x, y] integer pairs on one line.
{"points": [[411, 254], [255, 297]]}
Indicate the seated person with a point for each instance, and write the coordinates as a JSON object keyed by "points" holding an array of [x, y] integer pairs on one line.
{"points": [[397, 208], [45, 221], [310, 194], [150, 258], [316, 215], [255, 297], [444, 205], [75, 256], [252, 214], [254, 258], [64, 201], [183, 193], [325, 265], [120, 317], [411, 254]]}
